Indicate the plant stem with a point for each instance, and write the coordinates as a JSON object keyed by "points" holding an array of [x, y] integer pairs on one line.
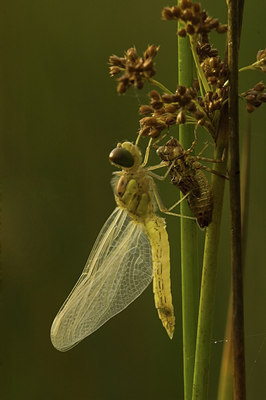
{"points": [[198, 67], [209, 272], [189, 256], [160, 85], [236, 256], [225, 389], [248, 68]]}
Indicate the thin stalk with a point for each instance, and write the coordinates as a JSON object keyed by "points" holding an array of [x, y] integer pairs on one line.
{"points": [[201, 75], [225, 390], [160, 85], [209, 272], [235, 206], [189, 256], [245, 185], [248, 68], [255, 66]]}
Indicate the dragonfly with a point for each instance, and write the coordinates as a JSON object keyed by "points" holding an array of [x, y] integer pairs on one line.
{"points": [[131, 250]]}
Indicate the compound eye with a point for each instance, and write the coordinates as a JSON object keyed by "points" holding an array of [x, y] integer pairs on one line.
{"points": [[121, 157]]}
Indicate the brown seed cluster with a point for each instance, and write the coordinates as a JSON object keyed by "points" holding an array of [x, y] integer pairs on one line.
{"points": [[213, 101], [169, 109], [205, 50], [135, 69], [255, 97], [261, 58], [195, 21], [183, 106], [215, 70]]}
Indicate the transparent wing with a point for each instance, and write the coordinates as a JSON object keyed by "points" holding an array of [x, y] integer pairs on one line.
{"points": [[118, 269]]}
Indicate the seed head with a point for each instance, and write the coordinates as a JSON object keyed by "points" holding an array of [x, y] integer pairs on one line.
{"points": [[261, 58], [194, 20], [215, 70], [136, 70], [254, 97]]}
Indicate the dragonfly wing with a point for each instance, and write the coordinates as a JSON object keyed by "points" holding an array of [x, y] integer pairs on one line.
{"points": [[118, 269]]}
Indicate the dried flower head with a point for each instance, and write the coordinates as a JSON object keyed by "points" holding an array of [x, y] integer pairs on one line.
{"points": [[261, 60], [215, 70], [168, 109], [136, 70], [254, 97], [205, 50], [183, 106], [194, 20]]}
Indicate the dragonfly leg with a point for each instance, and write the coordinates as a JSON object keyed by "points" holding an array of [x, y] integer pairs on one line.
{"points": [[161, 165], [178, 202], [147, 153], [213, 160], [159, 140], [203, 149], [165, 210], [137, 140], [195, 141], [212, 171]]}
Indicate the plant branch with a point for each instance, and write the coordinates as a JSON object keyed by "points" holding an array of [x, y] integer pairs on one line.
{"points": [[236, 248], [160, 85], [201, 75], [189, 255], [225, 389], [209, 271]]}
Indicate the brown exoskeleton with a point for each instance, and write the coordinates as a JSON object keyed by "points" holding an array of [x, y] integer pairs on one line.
{"points": [[186, 173]]}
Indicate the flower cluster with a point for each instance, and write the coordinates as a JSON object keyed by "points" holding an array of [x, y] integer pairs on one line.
{"points": [[261, 60], [166, 110], [194, 20], [215, 70], [214, 101], [205, 50], [199, 104], [135, 69], [255, 97], [184, 106]]}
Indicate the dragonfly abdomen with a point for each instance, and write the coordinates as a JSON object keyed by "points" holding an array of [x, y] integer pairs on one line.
{"points": [[156, 231]]}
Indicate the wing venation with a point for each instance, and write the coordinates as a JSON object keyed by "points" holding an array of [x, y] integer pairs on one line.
{"points": [[118, 269]]}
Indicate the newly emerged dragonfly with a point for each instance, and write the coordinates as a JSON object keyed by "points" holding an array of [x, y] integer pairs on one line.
{"points": [[131, 250]]}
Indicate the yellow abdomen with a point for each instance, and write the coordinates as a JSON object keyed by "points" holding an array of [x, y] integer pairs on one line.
{"points": [[155, 229]]}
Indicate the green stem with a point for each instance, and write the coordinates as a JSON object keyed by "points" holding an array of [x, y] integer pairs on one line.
{"points": [[198, 66], [255, 66], [209, 272], [225, 388], [247, 68], [160, 85], [189, 256]]}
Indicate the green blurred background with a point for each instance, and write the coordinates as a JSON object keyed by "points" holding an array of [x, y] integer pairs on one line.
{"points": [[60, 117]]}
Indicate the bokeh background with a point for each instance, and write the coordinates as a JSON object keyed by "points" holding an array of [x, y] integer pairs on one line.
{"points": [[60, 116]]}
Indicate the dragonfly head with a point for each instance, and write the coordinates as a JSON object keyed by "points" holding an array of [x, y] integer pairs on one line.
{"points": [[126, 155]]}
